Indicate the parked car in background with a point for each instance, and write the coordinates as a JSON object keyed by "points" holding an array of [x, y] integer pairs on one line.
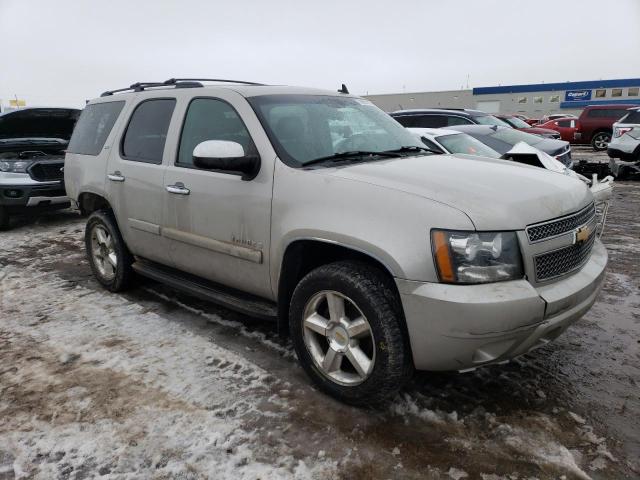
{"points": [[565, 126], [595, 124], [32, 145], [502, 139], [524, 118], [519, 124], [624, 148], [451, 141], [377, 256], [437, 118], [555, 116]]}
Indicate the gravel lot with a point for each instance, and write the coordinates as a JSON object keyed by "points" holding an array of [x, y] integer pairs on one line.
{"points": [[153, 384]]}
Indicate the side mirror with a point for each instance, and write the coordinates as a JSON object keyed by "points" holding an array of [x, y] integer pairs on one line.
{"points": [[226, 156]]}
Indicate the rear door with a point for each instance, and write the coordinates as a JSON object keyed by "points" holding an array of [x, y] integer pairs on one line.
{"points": [[219, 224], [566, 127], [135, 177]]}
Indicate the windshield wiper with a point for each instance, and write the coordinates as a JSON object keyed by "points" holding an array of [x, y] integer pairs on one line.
{"points": [[354, 153], [413, 148]]}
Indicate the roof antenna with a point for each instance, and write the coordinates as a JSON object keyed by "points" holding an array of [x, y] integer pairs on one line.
{"points": [[343, 89]]}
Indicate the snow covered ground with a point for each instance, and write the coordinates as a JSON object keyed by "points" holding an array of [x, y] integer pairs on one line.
{"points": [[154, 384]]}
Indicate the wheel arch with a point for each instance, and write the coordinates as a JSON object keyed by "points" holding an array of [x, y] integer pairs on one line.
{"points": [[89, 202], [305, 254]]}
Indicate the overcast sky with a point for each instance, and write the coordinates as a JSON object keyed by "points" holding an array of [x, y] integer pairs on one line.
{"points": [[61, 52]]}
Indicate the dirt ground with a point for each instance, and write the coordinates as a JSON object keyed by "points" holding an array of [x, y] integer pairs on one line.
{"points": [[154, 384]]}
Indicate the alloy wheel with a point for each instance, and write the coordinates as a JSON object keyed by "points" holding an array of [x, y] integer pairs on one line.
{"points": [[103, 252], [339, 338]]}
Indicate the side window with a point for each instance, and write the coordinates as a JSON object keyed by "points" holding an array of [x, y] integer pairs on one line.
{"points": [[451, 121], [431, 145], [93, 127], [406, 121], [430, 121], [211, 119], [563, 123], [146, 133]]}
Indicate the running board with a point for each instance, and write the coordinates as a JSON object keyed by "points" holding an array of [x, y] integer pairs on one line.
{"points": [[198, 287]]}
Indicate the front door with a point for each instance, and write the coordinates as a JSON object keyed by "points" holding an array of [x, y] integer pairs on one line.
{"points": [[136, 178], [219, 224]]}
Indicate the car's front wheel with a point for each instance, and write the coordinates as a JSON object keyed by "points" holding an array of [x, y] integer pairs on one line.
{"points": [[600, 141], [108, 255], [347, 328]]}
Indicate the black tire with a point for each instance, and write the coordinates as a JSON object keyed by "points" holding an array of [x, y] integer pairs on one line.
{"points": [[375, 296], [123, 275], [600, 141], [4, 218]]}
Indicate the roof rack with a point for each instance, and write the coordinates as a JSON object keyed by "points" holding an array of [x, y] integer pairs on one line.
{"points": [[175, 83]]}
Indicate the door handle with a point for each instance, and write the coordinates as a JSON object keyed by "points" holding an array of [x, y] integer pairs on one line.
{"points": [[115, 177], [178, 189]]}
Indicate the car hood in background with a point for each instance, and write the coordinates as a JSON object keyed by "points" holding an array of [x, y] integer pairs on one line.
{"points": [[495, 194], [539, 131], [38, 123]]}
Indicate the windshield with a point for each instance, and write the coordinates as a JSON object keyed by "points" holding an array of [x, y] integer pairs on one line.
{"points": [[511, 136], [490, 120], [517, 123], [463, 143], [304, 128]]}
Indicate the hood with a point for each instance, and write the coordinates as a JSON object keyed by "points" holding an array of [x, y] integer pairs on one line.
{"points": [[38, 123], [495, 194]]}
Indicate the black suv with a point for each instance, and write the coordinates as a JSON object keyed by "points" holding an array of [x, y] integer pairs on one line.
{"points": [[438, 118]]}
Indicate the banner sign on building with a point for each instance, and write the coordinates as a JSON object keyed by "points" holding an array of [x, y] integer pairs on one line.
{"points": [[577, 95]]}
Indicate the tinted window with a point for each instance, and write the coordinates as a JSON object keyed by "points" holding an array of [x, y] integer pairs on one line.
{"points": [[631, 117], [211, 119], [406, 120], [147, 131], [93, 127], [564, 123], [430, 121], [451, 121], [606, 113]]}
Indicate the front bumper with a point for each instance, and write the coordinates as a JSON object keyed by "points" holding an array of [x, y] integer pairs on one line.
{"points": [[461, 327], [18, 196]]}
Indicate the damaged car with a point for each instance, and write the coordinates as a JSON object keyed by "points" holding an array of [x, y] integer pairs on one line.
{"points": [[32, 147]]}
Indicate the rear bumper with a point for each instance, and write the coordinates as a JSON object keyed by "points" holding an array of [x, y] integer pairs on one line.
{"points": [[460, 327], [622, 154]]}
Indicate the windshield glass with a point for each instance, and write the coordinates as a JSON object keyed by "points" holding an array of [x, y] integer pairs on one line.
{"points": [[511, 136], [304, 128], [490, 120], [463, 143], [517, 123]]}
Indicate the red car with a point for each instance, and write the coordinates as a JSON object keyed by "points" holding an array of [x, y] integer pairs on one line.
{"points": [[595, 124], [519, 124], [566, 127]]}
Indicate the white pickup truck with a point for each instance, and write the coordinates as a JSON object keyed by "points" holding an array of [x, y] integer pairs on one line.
{"points": [[319, 210]]}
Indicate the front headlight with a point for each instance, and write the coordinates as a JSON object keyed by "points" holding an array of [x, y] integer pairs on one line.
{"points": [[14, 166], [476, 257]]}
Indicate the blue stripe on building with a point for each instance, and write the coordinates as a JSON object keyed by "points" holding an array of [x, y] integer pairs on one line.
{"points": [[586, 103], [550, 87]]}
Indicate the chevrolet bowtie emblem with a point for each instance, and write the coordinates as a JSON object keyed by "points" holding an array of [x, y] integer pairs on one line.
{"points": [[582, 234]]}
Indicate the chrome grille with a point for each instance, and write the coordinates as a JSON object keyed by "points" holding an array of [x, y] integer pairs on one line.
{"points": [[560, 226], [564, 260]]}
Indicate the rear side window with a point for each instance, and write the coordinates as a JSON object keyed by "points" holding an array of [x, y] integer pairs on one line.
{"points": [[606, 113], [429, 121], [564, 123], [452, 121], [405, 120], [211, 119], [631, 117], [146, 133], [93, 127]]}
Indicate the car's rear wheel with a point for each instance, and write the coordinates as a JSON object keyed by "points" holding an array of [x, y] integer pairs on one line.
{"points": [[108, 255], [600, 141], [4, 218], [347, 329]]}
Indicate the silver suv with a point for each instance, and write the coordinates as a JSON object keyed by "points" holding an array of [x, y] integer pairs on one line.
{"points": [[625, 145], [318, 210]]}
